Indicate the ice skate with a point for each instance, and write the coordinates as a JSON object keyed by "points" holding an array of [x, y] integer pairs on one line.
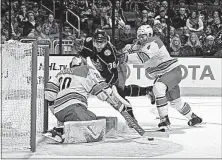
{"points": [[55, 135], [164, 123], [195, 120]]}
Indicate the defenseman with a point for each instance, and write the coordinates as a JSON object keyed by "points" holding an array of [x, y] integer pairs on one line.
{"points": [[150, 51], [69, 90]]}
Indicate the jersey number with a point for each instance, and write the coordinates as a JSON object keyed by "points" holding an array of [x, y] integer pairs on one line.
{"points": [[64, 83]]}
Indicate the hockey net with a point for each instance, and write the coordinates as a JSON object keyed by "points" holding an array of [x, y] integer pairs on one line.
{"points": [[17, 65]]}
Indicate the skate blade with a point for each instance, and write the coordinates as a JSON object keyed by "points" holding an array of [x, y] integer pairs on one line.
{"points": [[199, 124], [165, 128]]}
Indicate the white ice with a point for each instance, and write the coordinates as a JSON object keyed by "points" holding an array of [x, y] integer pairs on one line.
{"points": [[195, 142]]}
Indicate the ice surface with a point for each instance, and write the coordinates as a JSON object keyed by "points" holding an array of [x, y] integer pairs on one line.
{"points": [[184, 142]]}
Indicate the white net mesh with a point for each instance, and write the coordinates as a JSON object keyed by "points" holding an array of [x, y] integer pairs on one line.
{"points": [[16, 95]]}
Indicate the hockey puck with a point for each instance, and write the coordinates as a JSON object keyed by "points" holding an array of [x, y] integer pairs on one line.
{"points": [[150, 139]]}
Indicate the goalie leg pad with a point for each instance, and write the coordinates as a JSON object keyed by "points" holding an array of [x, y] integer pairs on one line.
{"points": [[84, 131], [111, 126]]}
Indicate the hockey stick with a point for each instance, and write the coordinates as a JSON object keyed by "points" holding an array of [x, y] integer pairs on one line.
{"points": [[125, 114]]}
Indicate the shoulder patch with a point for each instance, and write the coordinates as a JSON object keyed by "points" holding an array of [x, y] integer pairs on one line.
{"points": [[88, 39], [107, 52]]}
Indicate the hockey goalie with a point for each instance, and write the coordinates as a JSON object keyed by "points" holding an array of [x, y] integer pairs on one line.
{"points": [[68, 93]]}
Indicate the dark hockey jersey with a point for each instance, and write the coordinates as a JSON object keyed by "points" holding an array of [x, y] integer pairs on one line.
{"points": [[104, 61]]}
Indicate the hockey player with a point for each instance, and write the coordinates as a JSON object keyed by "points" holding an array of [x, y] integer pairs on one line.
{"points": [[107, 61], [69, 90], [150, 51], [103, 56]]}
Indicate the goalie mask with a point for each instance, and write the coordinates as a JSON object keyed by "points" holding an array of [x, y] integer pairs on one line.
{"points": [[100, 39], [76, 61], [77, 44], [144, 32]]}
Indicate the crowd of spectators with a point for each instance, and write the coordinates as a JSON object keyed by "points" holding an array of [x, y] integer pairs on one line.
{"points": [[187, 27]]}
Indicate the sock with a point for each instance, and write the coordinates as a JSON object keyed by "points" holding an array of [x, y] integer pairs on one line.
{"points": [[183, 107], [161, 103], [135, 90]]}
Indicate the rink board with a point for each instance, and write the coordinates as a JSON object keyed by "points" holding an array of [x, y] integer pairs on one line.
{"points": [[200, 76]]}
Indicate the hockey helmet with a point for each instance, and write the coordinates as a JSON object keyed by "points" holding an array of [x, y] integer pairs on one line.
{"points": [[100, 39], [145, 30], [100, 36]]}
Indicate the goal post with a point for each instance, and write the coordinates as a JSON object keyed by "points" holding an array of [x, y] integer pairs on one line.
{"points": [[24, 110]]}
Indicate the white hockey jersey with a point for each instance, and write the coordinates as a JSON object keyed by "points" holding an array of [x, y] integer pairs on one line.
{"points": [[74, 85], [153, 55]]}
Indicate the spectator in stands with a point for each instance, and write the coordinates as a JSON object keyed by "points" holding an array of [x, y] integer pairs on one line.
{"points": [[120, 10], [145, 19], [67, 32], [218, 44], [54, 27], [175, 46], [216, 2], [82, 36], [149, 6], [36, 9], [184, 36], [126, 37], [127, 5], [105, 19], [22, 15], [180, 21], [137, 6], [201, 9], [82, 5], [29, 26], [207, 32], [95, 20], [217, 25], [46, 31], [15, 8], [172, 33], [159, 31], [182, 4], [14, 28], [107, 6], [74, 7], [208, 46], [84, 17], [120, 24], [193, 46], [194, 23], [164, 4], [162, 15], [215, 14], [98, 6], [220, 8], [204, 20], [37, 33]]}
